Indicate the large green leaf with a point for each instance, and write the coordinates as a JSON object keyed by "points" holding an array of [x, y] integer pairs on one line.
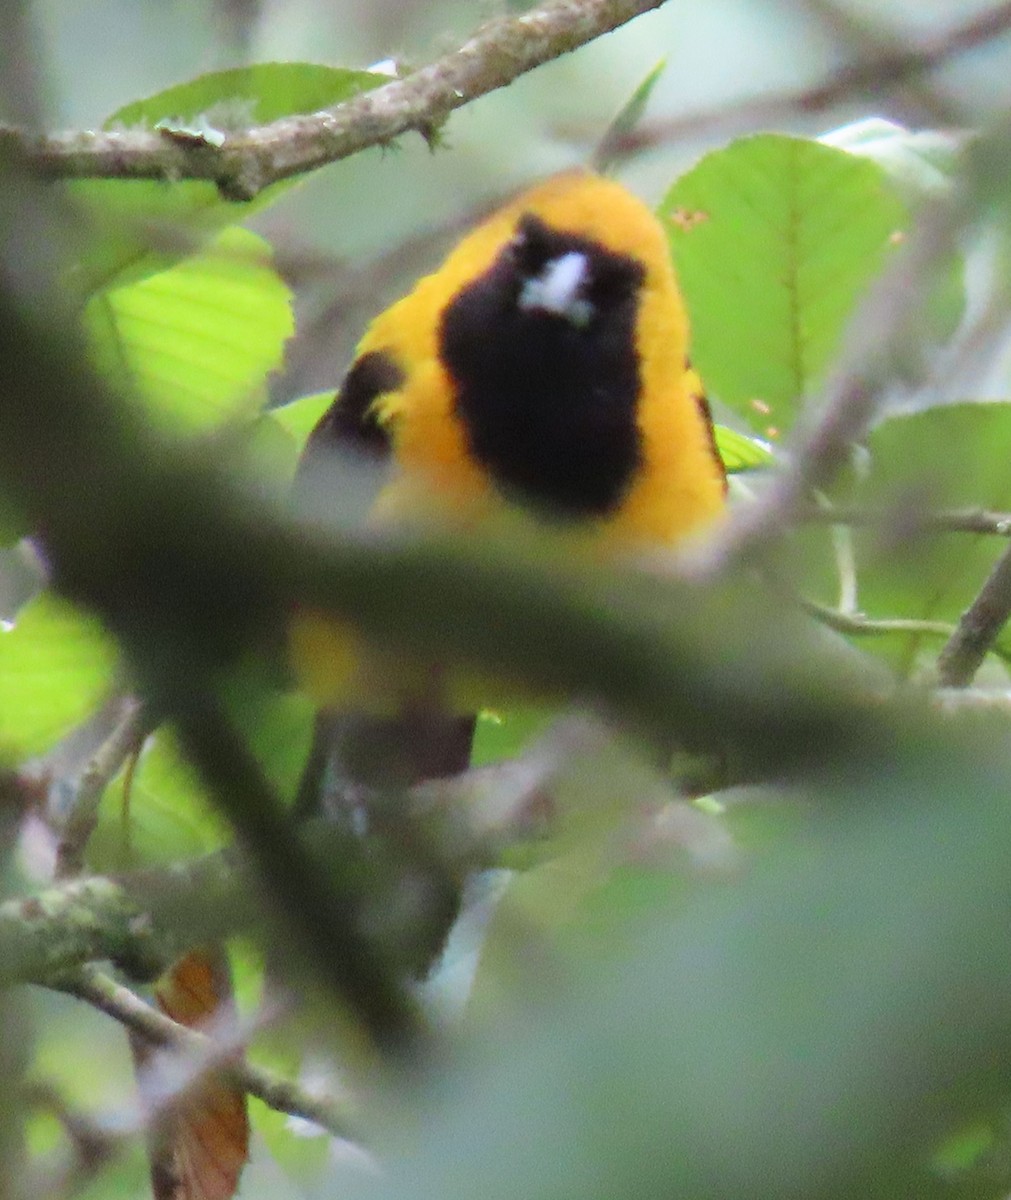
{"points": [[56, 667], [775, 239], [195, 343], [130, 216], [921, 164]]}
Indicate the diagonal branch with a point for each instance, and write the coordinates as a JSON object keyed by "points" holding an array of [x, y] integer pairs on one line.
{"points": [[889, 68], [202, 1052], [81, 817], [323, 907], [978, 628], [246, 162], [954, 520]]}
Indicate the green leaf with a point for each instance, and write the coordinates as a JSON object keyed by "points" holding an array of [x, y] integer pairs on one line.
{"points": [[921, 165], [124, 212], [775, 239], [609, 150], [280, 434], [56, 668], [239, 97], [195, 343], [168, 816], [739, 452]]}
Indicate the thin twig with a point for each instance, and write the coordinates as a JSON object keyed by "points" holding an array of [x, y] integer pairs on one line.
{"points": [[978, 627], [345, 296], [204, 1053], [100, 770], [959, 520], [246, 162], [846, 569], [866, 77], [863, 36], [859, 625]]}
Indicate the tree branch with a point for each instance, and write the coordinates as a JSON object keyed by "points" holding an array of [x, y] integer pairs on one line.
{"points": [[247, 162], [958, 520], [858, 625], [79, 820], [978, 628], [869, 76], [322, 907], [202, 1052], [145, 919], [140, 922]]}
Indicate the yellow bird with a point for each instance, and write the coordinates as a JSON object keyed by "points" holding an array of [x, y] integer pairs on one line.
{"points": [[543, 367]]}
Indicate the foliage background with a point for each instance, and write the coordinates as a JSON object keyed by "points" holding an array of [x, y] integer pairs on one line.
{"points": [[840, 1003]]}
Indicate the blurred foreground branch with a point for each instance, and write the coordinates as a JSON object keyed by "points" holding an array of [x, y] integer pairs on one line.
{"points": [[189, 569], [144, 919]]}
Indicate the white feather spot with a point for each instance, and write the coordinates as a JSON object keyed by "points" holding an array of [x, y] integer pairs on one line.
{"points": [[557, 288]]}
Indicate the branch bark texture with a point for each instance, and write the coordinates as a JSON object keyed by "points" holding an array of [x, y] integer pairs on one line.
{"points": [[141, 921], [247, 162], [978, 628], [205, 1053]]}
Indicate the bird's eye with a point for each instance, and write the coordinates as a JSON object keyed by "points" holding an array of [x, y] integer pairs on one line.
{"points": [[531, 246]]}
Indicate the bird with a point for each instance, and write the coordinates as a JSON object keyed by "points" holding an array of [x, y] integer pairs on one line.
{"points": [[541, 369], [540, 372]]}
